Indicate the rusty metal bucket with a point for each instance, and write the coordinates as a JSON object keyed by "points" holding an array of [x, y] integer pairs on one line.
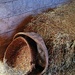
{"points": [[27, 51]]}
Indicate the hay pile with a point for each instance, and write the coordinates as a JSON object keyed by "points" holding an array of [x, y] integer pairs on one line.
{"points": [[57, 28]]}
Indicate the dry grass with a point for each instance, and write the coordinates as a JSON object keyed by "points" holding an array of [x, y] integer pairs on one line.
{"points": [[58, 31], [57, 28]]}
